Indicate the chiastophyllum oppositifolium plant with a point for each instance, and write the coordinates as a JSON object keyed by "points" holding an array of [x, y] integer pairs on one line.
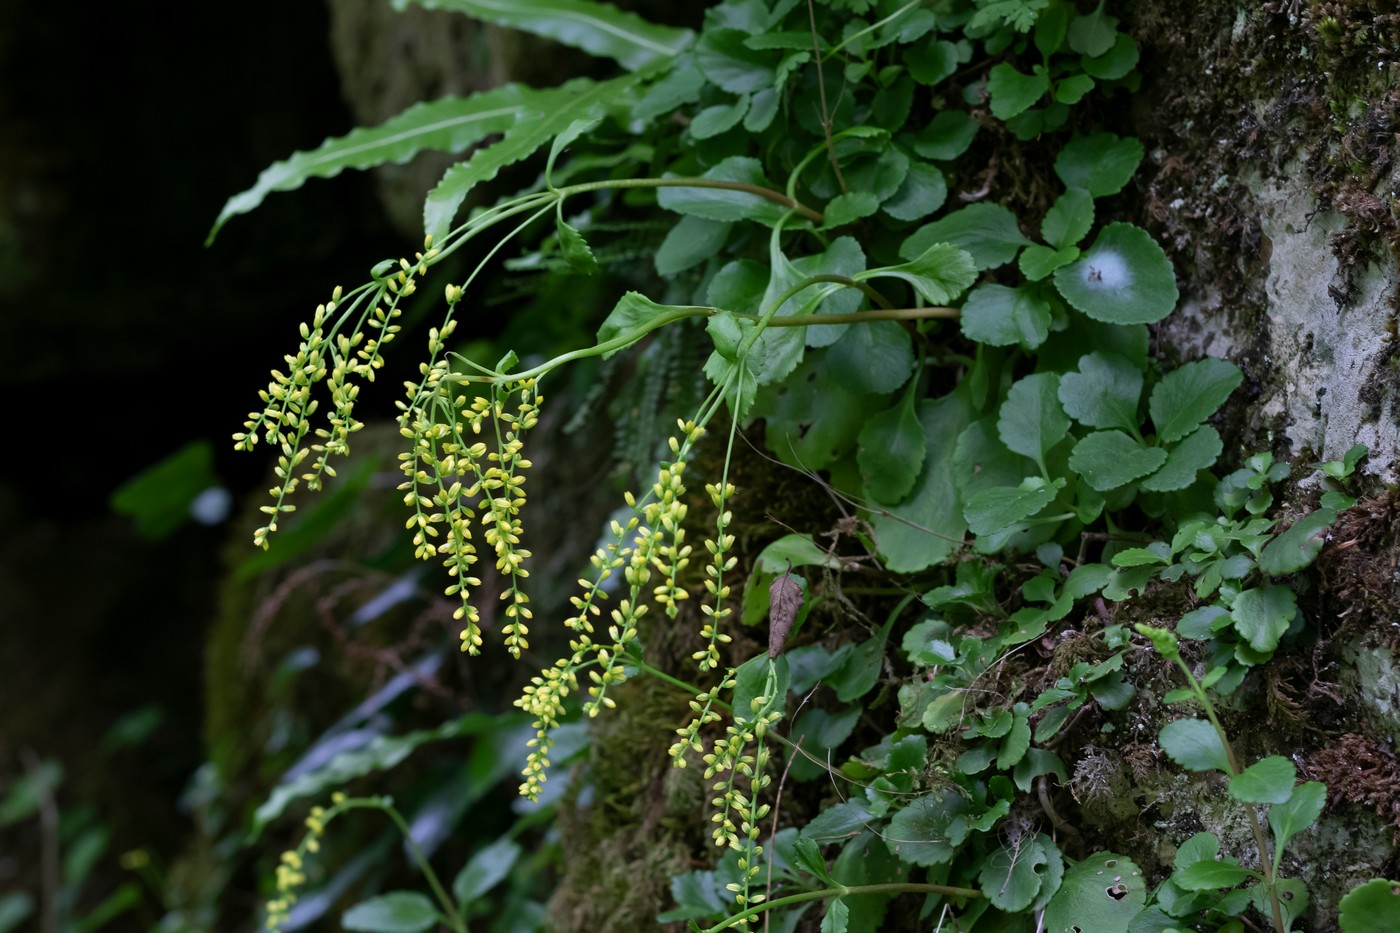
{"points": [[968, 373]]}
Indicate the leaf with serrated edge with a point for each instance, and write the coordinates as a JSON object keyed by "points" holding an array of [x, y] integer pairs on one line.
{"points": [[1068, 219], [597, 28], [1197, 452], [1189, 395], [1109, 459], [1268, 780], [989, 232], [1031, 421], [1195, 745], [547, 115], [1263, 614], [450, 125], [1298, 546], [1000, 316], [939, 274], [1104, 392], [1296, 814]]}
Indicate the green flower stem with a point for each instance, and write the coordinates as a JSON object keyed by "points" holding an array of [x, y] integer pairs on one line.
{"points": [[661, 320], [486, 220], [644, 667], [769, 315], [1265, 862], [451, 910], [769, 194], [842, 891]]}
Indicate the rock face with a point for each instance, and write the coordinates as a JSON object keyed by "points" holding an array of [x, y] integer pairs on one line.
{"points": [[1273, 139]]}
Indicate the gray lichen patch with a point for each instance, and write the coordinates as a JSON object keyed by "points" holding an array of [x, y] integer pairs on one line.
{"points": [[1332, 346]]}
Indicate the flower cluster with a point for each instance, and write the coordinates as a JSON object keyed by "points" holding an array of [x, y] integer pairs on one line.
{"points": [[718, 546], [343, 342], [291, 873], [454, 480], [651, 538], [738, 810]]}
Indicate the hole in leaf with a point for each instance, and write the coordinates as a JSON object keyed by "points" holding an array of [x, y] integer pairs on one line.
{"points": [[1109, 863], [1117, 891]]}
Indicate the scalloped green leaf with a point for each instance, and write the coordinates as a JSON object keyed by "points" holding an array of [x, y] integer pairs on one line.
{"points": [[1195, 745], [891, 451], [575, 249], [1262, 614], [1210, 875], [988, 232], [1373, 907], [1268, 780], [1103, 893], [395, 912], [1116, 62], [451, 124], [484, 870], [996, 509], [719, 118], [1069, 218], [1013, 92], [1031, 421], [1101, 163], [724, 57], [1109, 459], [999, 316], [1124, 278], [918, 833], [844, 208], [947, 135], [940, 273], [1198, 451], [922, 192], [539, 119], [632, 311], [1190, 394], [597, 28], [928, 527], [1093, 33], [1296, 814], [690, 242], [1104, 393], [1297, 547], [1011, 877], [1036, 261]]}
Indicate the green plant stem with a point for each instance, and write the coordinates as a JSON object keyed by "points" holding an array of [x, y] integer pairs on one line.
{"points": [[768, 194], [841, 891], [859, 317], [673, 681], [821, 91], [661, 320], [450, 908], [871, 28], [1265, 862]]}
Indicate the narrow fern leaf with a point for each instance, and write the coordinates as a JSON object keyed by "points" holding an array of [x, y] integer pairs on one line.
{"points": [[544, 116], [450, 124], [598, 28]]}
